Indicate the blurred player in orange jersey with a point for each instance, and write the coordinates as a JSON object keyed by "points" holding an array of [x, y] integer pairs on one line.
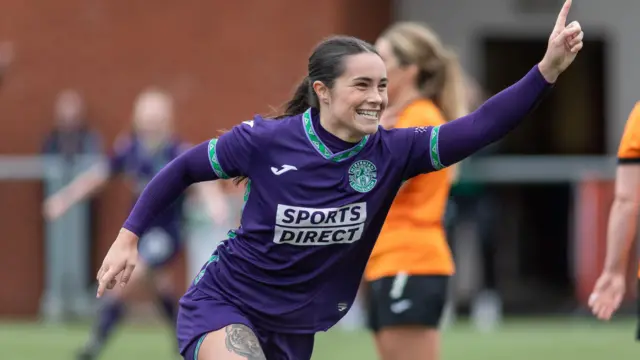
{"points": [[409, 269], [622, 230]]}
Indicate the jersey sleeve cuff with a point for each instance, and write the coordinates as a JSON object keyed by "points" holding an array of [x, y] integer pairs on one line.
{"points": [[434, 150], [215, 163]]}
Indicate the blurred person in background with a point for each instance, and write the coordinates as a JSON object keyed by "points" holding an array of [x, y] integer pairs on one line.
{"points": [[622, 229], [71, 135], [70, 148], [408, 272], [140, 155]]}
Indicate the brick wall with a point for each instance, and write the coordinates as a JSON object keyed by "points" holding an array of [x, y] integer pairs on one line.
{"points": [[222, 60]]}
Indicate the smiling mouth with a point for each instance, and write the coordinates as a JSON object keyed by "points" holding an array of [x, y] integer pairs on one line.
{"points": [[369, 114]]}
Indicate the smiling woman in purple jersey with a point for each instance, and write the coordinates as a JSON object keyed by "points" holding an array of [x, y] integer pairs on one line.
{"points": [[320, 181], [139, 156]]}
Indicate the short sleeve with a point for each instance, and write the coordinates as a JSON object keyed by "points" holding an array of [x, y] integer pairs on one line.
{"points": [[629, 149], [418, 147], [230, 153]]}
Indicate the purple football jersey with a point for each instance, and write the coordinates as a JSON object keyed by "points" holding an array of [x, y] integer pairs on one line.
{"points": [[310, 219], [314, 208]]}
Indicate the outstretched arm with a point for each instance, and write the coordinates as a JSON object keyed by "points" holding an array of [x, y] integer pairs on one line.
{"points": [[462, 137], [191, 167], [434, 148], [188, 168], [225, 157]]}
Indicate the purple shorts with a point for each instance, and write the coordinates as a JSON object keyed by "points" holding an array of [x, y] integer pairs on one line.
{"points": [[201, 313]]}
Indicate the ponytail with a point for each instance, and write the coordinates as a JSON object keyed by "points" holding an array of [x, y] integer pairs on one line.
{"points": [[452, 98], [303, 98]]}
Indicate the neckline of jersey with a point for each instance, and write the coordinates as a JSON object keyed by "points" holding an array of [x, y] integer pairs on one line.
{"points": [[323, 149]]}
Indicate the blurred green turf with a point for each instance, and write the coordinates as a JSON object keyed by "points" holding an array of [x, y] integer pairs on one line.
{"points": [[544, 339]]}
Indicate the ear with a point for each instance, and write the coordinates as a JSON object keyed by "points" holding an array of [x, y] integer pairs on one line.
{"points": [[322, 91]]}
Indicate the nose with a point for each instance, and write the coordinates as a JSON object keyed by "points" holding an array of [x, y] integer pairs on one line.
{"points": [[375, 97]]}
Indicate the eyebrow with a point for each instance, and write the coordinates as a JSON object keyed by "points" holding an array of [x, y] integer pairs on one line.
{"points": [[368, 79]]}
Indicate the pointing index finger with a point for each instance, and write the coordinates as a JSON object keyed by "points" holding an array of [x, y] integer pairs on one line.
{"points": [[562, 17], [106, 279]]}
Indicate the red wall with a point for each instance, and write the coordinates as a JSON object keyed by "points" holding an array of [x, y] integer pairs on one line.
{"points": [[222, 60]]}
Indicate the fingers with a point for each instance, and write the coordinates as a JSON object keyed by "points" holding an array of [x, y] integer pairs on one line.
{"points": [[572, 37], [600, 307], [126, 275], [603, 305], [576, 48], [101, 272], [108, 279], [562, 16], [572, 30], [574, 43]]}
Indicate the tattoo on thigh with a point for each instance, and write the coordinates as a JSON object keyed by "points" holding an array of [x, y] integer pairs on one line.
{"points": [[242, 341]]}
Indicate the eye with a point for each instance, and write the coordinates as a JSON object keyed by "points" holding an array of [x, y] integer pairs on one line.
{"points": [[362, 85], [382, 86]]}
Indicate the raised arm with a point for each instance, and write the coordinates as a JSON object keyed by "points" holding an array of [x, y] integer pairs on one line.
{"points": [[434, 148], [462, 137], [503, 112]]}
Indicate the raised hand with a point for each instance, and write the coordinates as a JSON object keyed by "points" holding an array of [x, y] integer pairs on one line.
{"points": [[564, 44]]}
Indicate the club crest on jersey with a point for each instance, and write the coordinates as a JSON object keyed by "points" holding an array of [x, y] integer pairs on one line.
{"points": [[363, 176]]}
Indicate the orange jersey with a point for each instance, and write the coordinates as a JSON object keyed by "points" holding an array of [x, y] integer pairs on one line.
{"points": [[413, 239], [629, 150]]}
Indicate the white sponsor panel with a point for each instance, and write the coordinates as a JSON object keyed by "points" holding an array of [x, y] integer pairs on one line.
{"points": [[314, 227]]}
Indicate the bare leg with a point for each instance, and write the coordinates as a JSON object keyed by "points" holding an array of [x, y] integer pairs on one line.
{"points": [[408, 343], [234, 342]]}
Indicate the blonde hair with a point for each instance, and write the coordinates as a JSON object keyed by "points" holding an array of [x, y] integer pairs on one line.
{"points": [[153, 97], [440, 76], [153, 102]]}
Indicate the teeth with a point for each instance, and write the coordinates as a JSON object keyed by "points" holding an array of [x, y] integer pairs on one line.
{"points": [[369, 114]]}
